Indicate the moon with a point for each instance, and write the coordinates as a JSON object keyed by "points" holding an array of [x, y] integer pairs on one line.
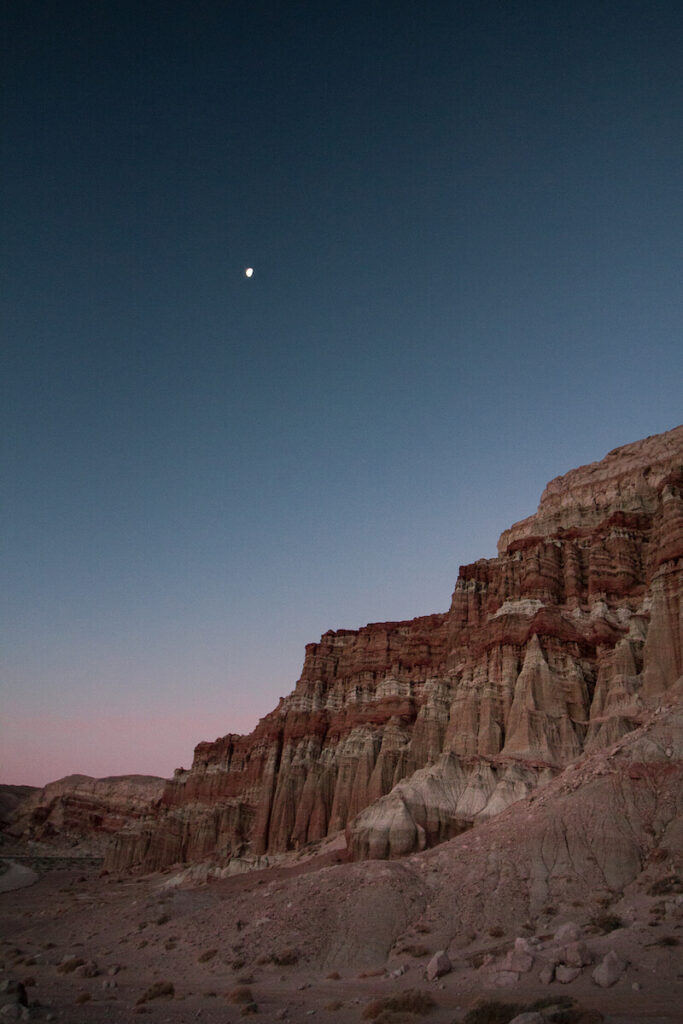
{"points": [[249, 272]]}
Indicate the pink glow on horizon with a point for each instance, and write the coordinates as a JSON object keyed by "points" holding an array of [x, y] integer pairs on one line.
{"points": [[36, 750]]}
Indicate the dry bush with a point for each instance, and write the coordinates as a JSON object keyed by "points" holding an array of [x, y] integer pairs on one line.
{"points": [[666, 940], [159, 990], [241, 994], [70, 965], [413, 1000], [607, 923], [286, 958], [491, 1011], [664, 886]]}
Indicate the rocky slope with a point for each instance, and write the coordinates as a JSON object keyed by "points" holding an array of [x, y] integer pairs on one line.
{"points": [[407, 733], [79, 811]]}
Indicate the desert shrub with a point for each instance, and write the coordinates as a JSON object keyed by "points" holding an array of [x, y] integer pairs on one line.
{"points": [[664, 886], [491, 1011], [415, 949], [286, 958], [238, 963], [241, 994], [159, 990], [413, 1000], [207, 955], [607, 922], [70, 965], [666, 940]]}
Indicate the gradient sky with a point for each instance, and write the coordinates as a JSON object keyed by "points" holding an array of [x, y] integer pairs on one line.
{"points": [[465, 221]]}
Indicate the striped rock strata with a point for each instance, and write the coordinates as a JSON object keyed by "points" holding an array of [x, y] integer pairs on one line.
{"points": [[407, 733]]}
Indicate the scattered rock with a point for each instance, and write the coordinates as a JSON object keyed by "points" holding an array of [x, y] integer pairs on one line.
{"points": [[609, 971], [565, 974], [547, 974], [568, 932], [577, 954], [438, 965]]}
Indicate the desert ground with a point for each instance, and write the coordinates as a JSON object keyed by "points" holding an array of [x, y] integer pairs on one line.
{"points": [[314, 938]]}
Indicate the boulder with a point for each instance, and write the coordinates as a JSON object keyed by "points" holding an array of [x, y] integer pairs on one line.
{"points": [[609, 971], [438, 965]]}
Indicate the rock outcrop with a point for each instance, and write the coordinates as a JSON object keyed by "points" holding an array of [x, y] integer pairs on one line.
{"points": [[79, 811], [407, 733]]}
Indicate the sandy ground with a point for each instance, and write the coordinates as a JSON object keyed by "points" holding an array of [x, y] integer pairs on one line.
{"points": [[209, 940]]}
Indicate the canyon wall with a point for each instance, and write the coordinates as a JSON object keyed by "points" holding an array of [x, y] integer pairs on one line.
{"points": [[407, 733], [78, 812]]}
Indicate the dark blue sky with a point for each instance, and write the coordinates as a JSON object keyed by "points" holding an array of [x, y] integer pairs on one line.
{"points": [[465, 221]]}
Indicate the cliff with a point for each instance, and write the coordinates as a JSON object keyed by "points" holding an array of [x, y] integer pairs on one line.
{"points": [[407, 733], [79, 811]]}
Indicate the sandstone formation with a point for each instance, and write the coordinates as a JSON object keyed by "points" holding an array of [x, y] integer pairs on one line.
{"points": [[79, 811], [407, 733]]}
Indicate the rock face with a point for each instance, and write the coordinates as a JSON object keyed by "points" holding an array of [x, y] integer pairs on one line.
{"points": [[407, 733], [81, 811]]}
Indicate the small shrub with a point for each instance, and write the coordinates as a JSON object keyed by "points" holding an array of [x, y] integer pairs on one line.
{"points": [[664, 886], [607, 923], [241, 994], [238, 963], [286, 958], [411, 1001], [70, 965], [207, 955], [415, 949], [490, 1011], [159, 990]]}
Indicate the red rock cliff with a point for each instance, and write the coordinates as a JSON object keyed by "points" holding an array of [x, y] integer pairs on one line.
{"points": [[404, 733]]}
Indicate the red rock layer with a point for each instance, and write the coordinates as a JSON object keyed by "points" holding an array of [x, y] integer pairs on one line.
{"points": [[407, 732]]}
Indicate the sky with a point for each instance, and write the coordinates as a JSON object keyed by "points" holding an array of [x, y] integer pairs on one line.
{"points": [[465, 224]]}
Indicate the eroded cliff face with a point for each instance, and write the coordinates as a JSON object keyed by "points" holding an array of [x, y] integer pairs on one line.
{"points": [[407, 733], [80, 812]]}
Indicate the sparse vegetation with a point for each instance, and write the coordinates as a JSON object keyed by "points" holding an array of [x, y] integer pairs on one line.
{"points": [[241, 994], [159, 990], [70, 965], [670, 884], [412, 1000], [606, 923], [287, 958]]}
